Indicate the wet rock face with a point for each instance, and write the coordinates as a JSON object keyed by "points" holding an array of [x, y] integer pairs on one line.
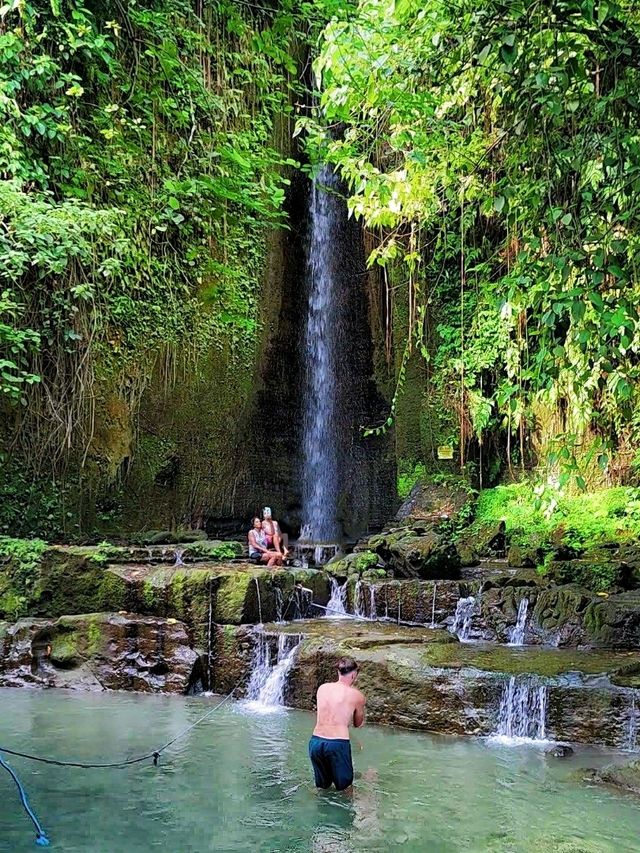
{"points": [[417, 601], [429, 502], [415, 552], [110, 651], [424, 679]]}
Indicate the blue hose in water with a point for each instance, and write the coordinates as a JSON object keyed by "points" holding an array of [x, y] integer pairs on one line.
{"points": [[41, 836]]}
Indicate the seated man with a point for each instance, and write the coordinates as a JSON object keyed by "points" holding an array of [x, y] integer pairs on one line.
{"points": [[258, 549], [271, 528]]}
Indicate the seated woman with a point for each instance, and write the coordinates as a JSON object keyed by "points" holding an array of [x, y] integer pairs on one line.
{"points": [[258, 549]]}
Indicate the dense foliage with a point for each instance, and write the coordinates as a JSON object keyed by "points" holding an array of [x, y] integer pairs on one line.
{"points": [[492, 149], [143, 162], [140, 165]]}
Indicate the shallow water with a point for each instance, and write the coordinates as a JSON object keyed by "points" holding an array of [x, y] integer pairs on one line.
{"points": [[241, 782]]}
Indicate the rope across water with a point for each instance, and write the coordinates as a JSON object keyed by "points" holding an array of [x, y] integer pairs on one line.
{"points": [[41, 836]]}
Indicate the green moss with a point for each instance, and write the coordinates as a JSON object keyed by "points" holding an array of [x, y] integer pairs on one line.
{"points": [[148, 593], [408, 475], [231, 597], [537, 661]]}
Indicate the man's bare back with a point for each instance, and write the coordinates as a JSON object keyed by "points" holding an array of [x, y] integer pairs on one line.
{"points": [[339, 706]]}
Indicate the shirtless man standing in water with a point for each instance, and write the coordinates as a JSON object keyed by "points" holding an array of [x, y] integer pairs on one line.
{"points": [[340, 705]]}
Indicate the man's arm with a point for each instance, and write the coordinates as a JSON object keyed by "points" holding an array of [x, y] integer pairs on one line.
{"points": [[358, 713]]}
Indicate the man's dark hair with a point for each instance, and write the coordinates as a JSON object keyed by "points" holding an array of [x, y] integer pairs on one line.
{"points": [[346, 665]]}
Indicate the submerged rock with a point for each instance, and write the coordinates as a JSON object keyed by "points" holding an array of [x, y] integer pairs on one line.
{"points": [[560, 750], [625, 777]]}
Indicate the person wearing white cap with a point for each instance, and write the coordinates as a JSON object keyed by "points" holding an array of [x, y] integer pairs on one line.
{"points": [[271, 529]]}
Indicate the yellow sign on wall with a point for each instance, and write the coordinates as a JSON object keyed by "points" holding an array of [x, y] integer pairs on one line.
{"points": [[445, 451]]}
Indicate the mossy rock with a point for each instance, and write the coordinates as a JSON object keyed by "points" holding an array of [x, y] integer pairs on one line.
{"points": [[430, 557], [625, 777], [526, 550], [353, 564], [481, 540], [64, 580], [598, 570]]}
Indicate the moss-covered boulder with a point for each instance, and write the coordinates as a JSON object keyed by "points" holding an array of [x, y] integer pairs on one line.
{"points": [[226, 593], [481, 540], [526, 550], [357, 563], [430, 556], [59, 580]]}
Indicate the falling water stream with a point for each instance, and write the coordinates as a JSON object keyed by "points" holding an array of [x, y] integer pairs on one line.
{"points": [[321, 439], [337, 604], [461, 626], [516, 634], [523, 711], [265, 691]]}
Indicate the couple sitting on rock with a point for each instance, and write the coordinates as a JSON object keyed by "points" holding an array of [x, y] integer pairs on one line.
{"points": [[265, 541]]}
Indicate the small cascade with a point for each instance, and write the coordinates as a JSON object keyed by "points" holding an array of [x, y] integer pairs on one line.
{"points": [[358, 601], [632, 736], [337, 604], [279, 604], [179, 552], [301, 599], [523, 711], [433, 606], [516, 634], [373, 613], [209, 642], [268, 680], [465, 609], [259, 601]]}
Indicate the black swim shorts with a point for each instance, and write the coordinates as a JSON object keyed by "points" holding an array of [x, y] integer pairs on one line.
{"points": [[331, 760]]}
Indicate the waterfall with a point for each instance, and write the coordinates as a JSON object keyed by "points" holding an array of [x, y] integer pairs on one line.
{"points": [[465, 609], [268, 680], [358, 601], [632, 736], [516, 634], [373, 613], [259, 602], [279, 604], [336, 606], [523, 711], [209, 647], [179, 554], [433, 606], [321, 440], [301, 600]]}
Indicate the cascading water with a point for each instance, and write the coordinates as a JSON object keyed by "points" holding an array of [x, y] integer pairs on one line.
{"points": [[265, 691], [279, 600], [373, 612], [463, 617], [321, 439], [337, 604], [523, 711], [632, 732], [358, 601], [516, 634]]}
